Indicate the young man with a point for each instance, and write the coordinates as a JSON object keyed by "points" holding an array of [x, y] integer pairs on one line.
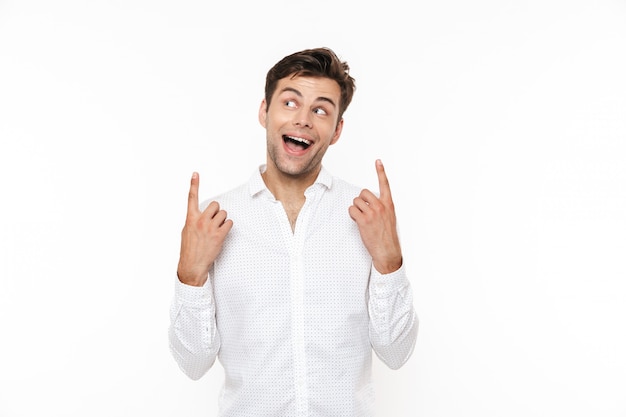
{"points": [[293, 278]]}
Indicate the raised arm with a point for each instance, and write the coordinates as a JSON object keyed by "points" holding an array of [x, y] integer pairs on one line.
{"points": [[193, 335], [393, 320]]}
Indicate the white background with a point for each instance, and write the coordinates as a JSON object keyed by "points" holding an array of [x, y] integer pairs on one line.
{"points": [[502, 125]]}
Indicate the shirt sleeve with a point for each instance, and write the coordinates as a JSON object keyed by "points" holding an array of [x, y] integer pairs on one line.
{"points": [[393, 320], [193, 337]]}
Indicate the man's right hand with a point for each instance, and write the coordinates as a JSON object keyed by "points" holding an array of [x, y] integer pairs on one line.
{"points": [[202, 238]]}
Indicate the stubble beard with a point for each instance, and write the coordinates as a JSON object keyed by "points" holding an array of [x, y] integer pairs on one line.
{"points": [[299, 168]]}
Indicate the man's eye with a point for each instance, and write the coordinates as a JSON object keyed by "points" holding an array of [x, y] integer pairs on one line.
{"points": [[290, 103], [319, 111]]}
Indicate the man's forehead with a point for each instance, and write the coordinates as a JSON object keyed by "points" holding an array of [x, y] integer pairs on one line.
{"points": [[309, 85]]}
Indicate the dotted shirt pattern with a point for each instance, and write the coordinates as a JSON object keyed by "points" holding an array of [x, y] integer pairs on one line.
{"points": [[293, 317]]}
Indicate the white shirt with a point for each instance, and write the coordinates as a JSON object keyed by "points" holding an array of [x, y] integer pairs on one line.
{"points": [[293, 316]]}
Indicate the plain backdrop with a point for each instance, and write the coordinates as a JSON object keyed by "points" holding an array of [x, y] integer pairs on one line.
{"points": [[502, 125]]}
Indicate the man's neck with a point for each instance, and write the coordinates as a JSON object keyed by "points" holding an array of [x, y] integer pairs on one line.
{"points": [[288, 188]]}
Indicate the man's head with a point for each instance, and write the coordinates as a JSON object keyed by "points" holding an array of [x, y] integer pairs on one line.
{"points": [[317, 62]]}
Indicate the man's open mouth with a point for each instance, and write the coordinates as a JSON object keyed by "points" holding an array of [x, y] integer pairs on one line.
{"points": [[296, 143]]}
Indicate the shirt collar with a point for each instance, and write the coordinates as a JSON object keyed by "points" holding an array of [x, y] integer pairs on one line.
{"points": [[257, 185]]}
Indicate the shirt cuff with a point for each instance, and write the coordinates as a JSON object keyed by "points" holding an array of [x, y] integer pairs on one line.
{"points": [[194, 296], [384, 285]]}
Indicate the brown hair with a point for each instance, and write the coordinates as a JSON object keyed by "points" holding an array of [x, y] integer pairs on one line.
{"points": [[317, 62]]}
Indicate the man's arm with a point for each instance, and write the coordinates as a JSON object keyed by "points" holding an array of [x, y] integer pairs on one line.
{"points": [[193, 337], [393, 321]]}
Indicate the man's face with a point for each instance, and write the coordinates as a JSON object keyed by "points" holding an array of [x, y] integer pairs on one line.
{"points": [[301, 123]]}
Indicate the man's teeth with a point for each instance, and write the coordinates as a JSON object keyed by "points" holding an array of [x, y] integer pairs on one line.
{"points": [[300, 140]]}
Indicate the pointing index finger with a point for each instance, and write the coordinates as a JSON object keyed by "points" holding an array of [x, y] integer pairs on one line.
{"points": [[383, 181], [192, 203]]}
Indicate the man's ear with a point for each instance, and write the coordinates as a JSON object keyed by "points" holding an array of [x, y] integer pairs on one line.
{"points": [[337, 133], [263, 113]]}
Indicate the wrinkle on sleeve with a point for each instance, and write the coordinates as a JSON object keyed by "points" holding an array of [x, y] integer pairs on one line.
{"points": [[393, 321], [193, 337]]}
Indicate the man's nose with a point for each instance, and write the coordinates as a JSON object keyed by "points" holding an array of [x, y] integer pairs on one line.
{"points": [[303, 119]]}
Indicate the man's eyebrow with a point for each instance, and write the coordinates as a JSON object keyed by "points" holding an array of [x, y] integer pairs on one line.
{"points": [[299, 94]]}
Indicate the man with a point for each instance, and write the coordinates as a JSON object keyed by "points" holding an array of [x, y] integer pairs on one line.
{"points": [[293, 278]]}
